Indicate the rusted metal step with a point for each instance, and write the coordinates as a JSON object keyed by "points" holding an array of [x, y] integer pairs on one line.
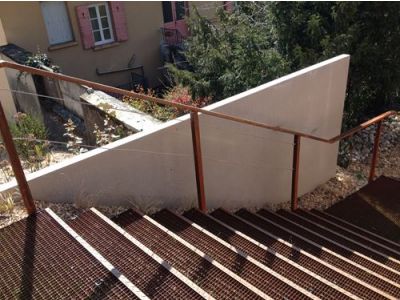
{"points": [[355, 279], [342, 241], [39, 259], [197, 266], [356, 229], [312, 282], [342, 231], [150, 276], [235, 260], [292, 229]]}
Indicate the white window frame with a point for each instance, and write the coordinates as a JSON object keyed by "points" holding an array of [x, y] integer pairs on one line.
{"points": [[101, 29]]}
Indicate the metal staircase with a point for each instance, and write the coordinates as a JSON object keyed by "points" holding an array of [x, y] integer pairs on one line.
{"points": [[220, 255]]}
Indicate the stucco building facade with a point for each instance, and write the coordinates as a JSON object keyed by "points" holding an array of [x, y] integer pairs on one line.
{"points": [[89, 38]]}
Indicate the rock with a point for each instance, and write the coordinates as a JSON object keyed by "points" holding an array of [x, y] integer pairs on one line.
{"points": [[361, 144]]}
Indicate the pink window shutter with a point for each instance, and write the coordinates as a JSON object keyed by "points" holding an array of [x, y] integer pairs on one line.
{"points": [[85, 27], [119, 19], [228, 5]]}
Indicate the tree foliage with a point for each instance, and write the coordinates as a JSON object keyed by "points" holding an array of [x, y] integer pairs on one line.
{"points": [[260, 41], [231, 55], [308, 32]]}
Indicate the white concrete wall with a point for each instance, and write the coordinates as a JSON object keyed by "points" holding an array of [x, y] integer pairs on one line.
{"points": [[243, 165], [71, 93], [27, 102], [5, 95], [77, 96], [132, 118], [3, 38]]}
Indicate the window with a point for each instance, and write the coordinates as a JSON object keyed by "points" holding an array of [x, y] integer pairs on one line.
{"points": [[101, 24], [167, 11], [174, 11], [57, 23], [180, 10]]}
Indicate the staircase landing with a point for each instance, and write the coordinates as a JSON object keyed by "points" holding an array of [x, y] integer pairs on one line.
{"points": [[375, 207]]}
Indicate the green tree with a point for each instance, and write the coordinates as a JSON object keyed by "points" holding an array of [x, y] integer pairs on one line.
{"points": [[231, 55], [308, 32]]}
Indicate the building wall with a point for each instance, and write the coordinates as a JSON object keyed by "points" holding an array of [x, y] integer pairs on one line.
{"points": [[24, 26], [243, 165]]}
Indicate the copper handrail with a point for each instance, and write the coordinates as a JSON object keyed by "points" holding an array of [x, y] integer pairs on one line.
{"points": [[362, 126], [196, 110], [198, 159], [16, 163], [184, 107], [295, 172]]}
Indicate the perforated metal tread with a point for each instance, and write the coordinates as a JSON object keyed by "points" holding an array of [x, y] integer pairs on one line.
{"points": [[294, 227], [363, 247], [301, 258], [303, 279], [354, 228], [40, 260], [238, 264], [150, 277], [214, 281], [342, 231], [226, 257]]}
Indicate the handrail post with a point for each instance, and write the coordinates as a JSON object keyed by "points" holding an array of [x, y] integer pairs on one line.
{"points": [[295, 171], [16, 163], [375, 151], [198, 160]]}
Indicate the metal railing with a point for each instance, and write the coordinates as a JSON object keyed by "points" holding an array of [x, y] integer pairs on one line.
{"points": [[195, 129]]}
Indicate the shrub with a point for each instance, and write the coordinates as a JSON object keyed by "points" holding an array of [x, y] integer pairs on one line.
{"points": [[6, 203], [5, 167], [38, 60], [25, 131], [109, 134], [74, 141], [176, 94], [182, 95], [158, 111]]}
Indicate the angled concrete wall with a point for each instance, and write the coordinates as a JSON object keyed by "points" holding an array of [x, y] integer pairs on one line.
{"points": [[243, 165]]}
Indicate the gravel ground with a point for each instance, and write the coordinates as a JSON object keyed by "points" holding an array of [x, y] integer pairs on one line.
{"points": [[346, 182], [65, 211], [53, 158]]}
